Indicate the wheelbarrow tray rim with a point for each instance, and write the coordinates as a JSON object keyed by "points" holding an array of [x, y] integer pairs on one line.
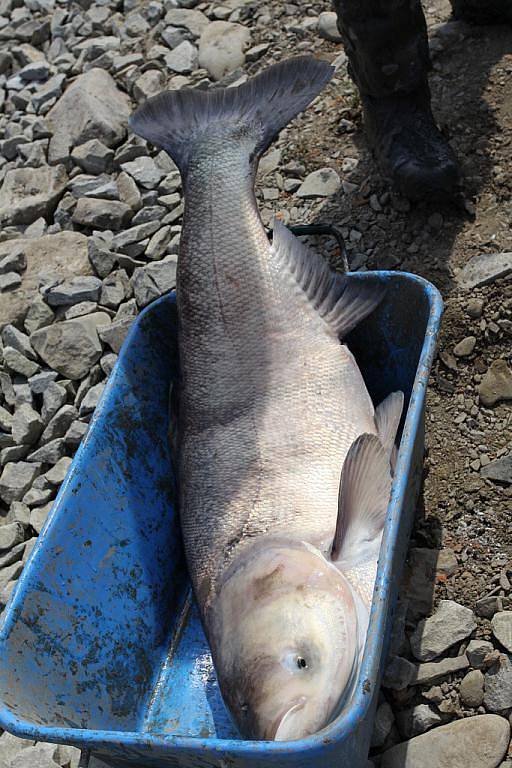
{"points": [[357, 709]]}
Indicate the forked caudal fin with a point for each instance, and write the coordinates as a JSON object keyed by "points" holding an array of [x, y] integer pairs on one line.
{"points": [[261, 107]]}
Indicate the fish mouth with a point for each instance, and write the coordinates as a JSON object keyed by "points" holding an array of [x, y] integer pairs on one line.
{"points": [[280, 726]]}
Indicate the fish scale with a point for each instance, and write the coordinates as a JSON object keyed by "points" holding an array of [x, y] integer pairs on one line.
{"points": [[276, 381]]}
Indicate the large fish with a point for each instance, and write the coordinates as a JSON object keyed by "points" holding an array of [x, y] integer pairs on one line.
{"points": [[271, 407]]}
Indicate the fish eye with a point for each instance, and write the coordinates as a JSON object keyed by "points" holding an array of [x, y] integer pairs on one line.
{"points": [[293, 660]]}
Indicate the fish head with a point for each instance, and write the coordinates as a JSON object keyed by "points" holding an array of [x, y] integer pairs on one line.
{"points": [[285, 641]]}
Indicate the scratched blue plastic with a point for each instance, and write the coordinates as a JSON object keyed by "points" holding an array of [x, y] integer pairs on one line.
{"points": [[101, 646]]}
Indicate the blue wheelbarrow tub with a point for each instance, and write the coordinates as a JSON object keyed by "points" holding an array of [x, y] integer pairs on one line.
{"points": [[101, 645]]}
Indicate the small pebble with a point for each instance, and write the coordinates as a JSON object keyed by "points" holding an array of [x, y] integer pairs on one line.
{"points": [[465, 347]]}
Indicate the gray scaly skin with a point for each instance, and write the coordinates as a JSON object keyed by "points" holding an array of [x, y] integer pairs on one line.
{"points": [[270, 404], [270, 401]]}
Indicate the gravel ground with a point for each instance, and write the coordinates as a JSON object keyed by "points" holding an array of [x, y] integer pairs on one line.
{"points": [[90, 233]]}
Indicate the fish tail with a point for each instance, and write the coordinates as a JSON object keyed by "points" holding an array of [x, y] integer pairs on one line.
{"points": [[258, 109]]}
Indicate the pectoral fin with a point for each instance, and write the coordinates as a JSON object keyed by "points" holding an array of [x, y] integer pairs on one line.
{"points": [[363, 500], [387, 419], [285, 728]]}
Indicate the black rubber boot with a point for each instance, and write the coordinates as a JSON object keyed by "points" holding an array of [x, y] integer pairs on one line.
{"points": [[387, 47], [483, 11]]}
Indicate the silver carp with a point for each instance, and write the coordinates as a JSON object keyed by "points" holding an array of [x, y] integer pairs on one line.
{"points": [[282, 553]]}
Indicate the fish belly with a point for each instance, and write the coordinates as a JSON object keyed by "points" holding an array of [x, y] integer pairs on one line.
{"points": [[362, 579], [270, 401], [274, 467]]}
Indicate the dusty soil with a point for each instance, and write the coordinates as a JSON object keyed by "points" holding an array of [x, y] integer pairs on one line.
{"points": [[472, 98]]}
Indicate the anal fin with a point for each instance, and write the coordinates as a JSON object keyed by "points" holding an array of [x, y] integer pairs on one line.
{"points": [[365, 488]]}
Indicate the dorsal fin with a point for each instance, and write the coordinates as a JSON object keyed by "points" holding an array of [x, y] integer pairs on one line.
{"points": [[342, 303], [363, 501], [387, 419]]}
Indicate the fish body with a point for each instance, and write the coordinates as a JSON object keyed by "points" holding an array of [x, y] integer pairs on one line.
{"points": [[270, 404]]}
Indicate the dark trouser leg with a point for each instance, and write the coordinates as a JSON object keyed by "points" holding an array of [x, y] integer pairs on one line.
{"points": [[386, 43], [483, 11]]}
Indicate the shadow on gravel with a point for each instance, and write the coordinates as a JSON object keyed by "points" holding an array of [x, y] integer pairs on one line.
{"points": [[420, 237], [387, 233]]}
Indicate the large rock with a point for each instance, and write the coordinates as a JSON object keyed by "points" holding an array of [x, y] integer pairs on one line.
{"points": [[465, 347], [12, 337], [91, 108], [499, 470], [17, 362], [63, 255], [10, 535], [151, 282], [221, 47], [328, 26], [59, 424], [9, 281], [498, 685], [471, 689], [71, 347], [321, 183], [94, 157], [5, 420], [485, 268], [50, 453], [39, 314], [183, 59], [417, 720], [487, 606], [476, 652], [194, 21], [149, 84], [475, 742], [501, 624], [101, 214], [92, 399], [27, 425], [13, 262], [145, 171], [29, 193], [10, 747], [74, 291], [16, 479], [10, 556], [134, 234], [496, 384], [432, 671], [450, 624], [38, 756]]}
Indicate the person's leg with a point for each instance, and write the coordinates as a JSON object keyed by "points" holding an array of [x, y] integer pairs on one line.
{"points": [[483, 11], [386, 43]]}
